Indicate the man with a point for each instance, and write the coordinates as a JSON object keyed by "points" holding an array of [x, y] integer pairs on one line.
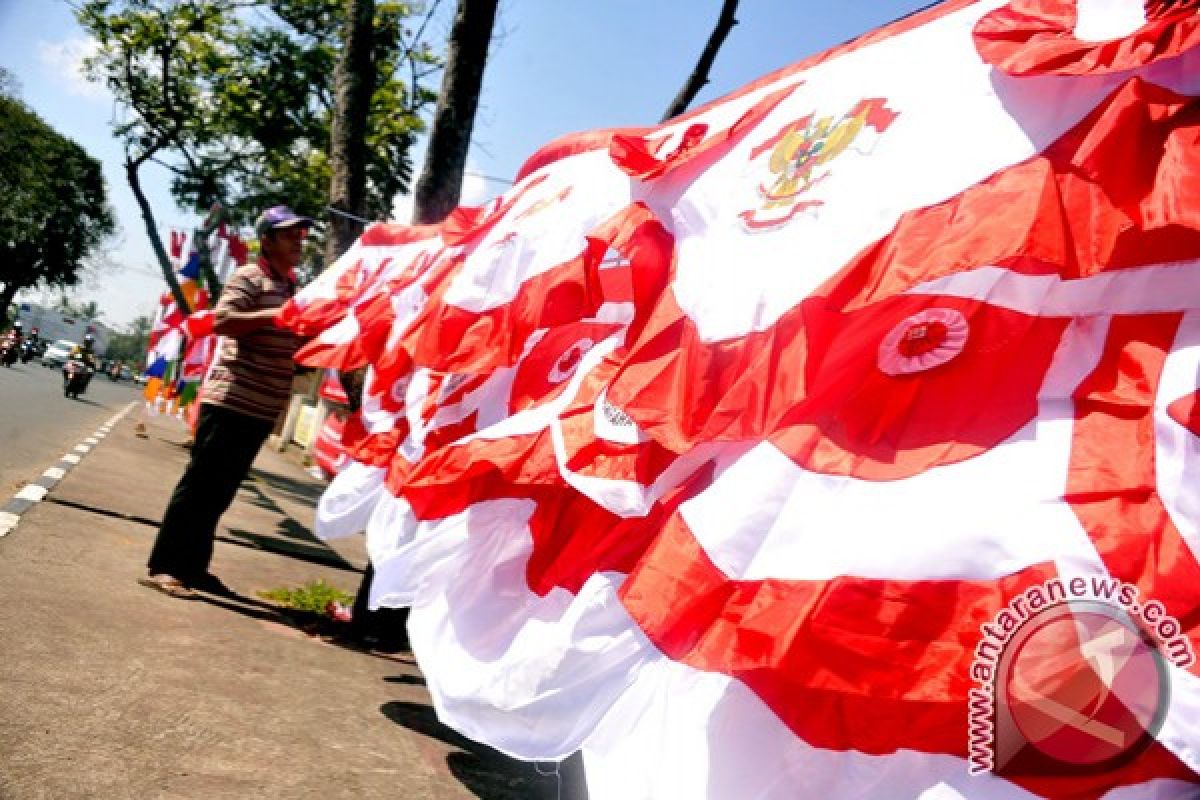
{"points": [[248, 385]]}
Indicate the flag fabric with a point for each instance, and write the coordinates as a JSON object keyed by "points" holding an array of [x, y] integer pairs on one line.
{"points": [[178, 238], [718, 450], [199, 324], [191, 267], [331, 389], [330, 455], [183, 345], [238, 250]]}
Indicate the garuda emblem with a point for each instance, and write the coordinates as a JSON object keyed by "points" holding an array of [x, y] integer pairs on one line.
{"points": [[799, 155]]}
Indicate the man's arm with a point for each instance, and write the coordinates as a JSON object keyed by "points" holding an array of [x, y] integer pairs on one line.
{"points": [[233, 323]]}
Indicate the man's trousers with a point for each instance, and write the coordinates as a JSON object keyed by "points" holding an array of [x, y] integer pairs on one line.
{"points": [[225, 447]]}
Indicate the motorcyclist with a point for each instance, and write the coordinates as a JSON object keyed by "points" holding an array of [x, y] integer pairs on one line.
{"points": [[85, 355], [10, 346], [32, 346]]}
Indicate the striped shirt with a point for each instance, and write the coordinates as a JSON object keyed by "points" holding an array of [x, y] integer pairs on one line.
{"points": [[252, 374]]}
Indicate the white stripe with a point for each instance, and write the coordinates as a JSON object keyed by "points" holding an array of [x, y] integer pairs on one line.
{"points": [[8, 521], [100, 434], [32, 492], [346, 504], [494, 271], [92, 441], [70, 458], [658, 741], [955, 127], [54, 473], [1177, 449], [529, 674], [117, 417], [1105, 20], [1143, 290], [82, 448]]}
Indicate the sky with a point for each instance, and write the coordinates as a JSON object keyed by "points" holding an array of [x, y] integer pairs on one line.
{"points": [[555, 67]]}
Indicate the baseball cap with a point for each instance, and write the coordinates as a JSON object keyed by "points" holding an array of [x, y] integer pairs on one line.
{"points": [[277, 218]]}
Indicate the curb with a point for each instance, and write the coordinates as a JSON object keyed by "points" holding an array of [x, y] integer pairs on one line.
{"points": [[33, 493]]}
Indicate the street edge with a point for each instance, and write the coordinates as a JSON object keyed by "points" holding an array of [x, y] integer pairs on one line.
{"points": [[33, 493]]}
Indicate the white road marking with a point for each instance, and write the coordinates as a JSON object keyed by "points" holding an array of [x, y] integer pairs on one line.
{"points": [[32, 492]]}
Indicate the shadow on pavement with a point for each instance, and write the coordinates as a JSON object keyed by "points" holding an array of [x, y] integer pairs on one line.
{"points": [[313, 554], [299, 490], [246, 606], [317, 626], [411, 680], [87, 402], [487, 773]]}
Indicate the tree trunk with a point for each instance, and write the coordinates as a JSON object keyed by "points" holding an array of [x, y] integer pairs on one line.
{"points": [[353, 84], [200, 236], [206, 269], [160, 252], [440, 185], [699, 76], [6, 297]]}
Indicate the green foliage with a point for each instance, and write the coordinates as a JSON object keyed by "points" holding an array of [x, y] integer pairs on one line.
{"points": [[89, 309], [240, 93], [313, 596], [129, 345], [55, 211], [156, 57]]}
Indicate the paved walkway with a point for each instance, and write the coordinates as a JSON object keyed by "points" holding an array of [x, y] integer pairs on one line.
{"points": [[110, 690]]}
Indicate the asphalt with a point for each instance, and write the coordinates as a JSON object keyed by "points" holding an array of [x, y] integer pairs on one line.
{"points": [[111, 690]]}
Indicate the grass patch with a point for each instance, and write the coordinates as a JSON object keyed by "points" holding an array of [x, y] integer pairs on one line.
{"points": [[314, 596]]}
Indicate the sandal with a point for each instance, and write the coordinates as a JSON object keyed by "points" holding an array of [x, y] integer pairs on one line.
{"points": [[168, 585]]}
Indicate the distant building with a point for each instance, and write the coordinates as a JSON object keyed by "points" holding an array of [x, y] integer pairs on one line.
{"points": [[53, 324]]}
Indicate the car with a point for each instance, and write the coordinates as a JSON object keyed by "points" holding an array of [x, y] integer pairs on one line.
{"points": [[58, 352]]}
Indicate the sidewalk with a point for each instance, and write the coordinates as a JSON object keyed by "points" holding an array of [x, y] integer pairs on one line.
{"points": [[111, 690]]}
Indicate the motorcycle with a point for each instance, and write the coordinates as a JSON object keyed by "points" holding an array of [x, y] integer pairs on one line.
{"points": [[76, 376], [29, 351], [9, 351]]}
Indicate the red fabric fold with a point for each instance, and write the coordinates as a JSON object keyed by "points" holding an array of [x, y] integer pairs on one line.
{"points": [[1037, 37]]}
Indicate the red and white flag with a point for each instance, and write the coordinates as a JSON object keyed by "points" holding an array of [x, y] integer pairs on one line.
{"points": [[839, 438]]}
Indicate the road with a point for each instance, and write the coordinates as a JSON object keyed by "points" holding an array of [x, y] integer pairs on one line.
{"points": [[38, 424]]}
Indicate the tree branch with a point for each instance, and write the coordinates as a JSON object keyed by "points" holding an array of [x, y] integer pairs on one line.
{"points": [[699, 76]]}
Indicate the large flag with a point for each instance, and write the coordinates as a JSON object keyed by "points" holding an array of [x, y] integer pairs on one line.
{"points": [[839, 438]]}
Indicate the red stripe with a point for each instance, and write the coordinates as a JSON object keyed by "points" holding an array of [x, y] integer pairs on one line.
{"points": [[850, 663], [1111, 481], [389, 234]]}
